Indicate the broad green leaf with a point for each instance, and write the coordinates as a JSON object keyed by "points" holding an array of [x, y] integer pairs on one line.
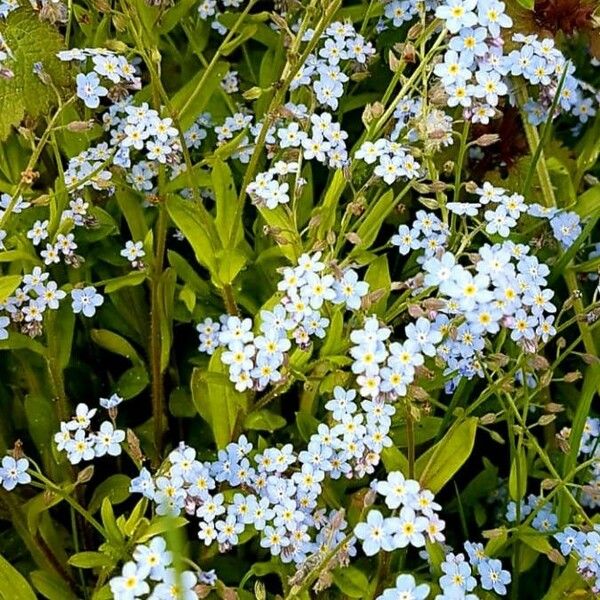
{"points": [[231, 262], [13, 586], [187, 273], [517, 481], [190, 219], [133, 382], [334, 342], [588, 203], [42, 424], [373, 222], [130, 204], [174, 15], [110, 523], [264, 420], [113, 342], [394, 460], [216, 399], [306, 423], [60, 325], [130, 280], [160, 525], [166, 291], [351, 581], [528, 4], [51, 586], [31, 41], [115, 488], [18, 341], [91, 560], [8, 284], [448, 455], [379, 280], [227, 204], [191, 99]]}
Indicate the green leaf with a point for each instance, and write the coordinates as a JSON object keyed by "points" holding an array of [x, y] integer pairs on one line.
{"points": [[110, 523], [91, 560], [186, 273], [18, 341], [113, 342], [527, 4], [517, 480], [42, 423], [231, 262], [351, 581], [588, 203], [60, 325], [160, 525], [227, 204], [436, 468], [174, 15], [13, 586], [394, 460], [379, 280], [130, 280], [133, 382], [191, 99], [31, 41], [115, 488], [264, 420], [369, 228], [334, 342], [192, 222], [217, 400], [166, 292], [51, 586], [8, 284], [130, 204]]}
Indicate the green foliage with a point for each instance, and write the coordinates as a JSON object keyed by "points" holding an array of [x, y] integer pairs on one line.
{"points": [[31, 42]]}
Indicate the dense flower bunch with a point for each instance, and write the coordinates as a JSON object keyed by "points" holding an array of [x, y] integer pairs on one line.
{"points": [[151, 574], [318, 261], [75, 439]]}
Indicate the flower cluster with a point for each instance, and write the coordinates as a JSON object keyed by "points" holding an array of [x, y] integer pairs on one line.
{"points": [[151, 575], [544, 520], [108, 67], [254, 361], [323, 70], [476, 72], [80, 443], [585, 546], [417, 518]]}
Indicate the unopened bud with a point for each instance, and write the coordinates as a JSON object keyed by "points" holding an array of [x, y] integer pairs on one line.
{"points": [[353, 238], [253, 93], [86, 474], [79, 126], [572, 376], [488, 419], [369, 498], [546, 420], [260, 592], [394, 62], [487, 139]]}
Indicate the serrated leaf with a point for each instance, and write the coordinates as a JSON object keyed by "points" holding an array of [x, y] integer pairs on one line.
{"points": [[31, 41]]}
